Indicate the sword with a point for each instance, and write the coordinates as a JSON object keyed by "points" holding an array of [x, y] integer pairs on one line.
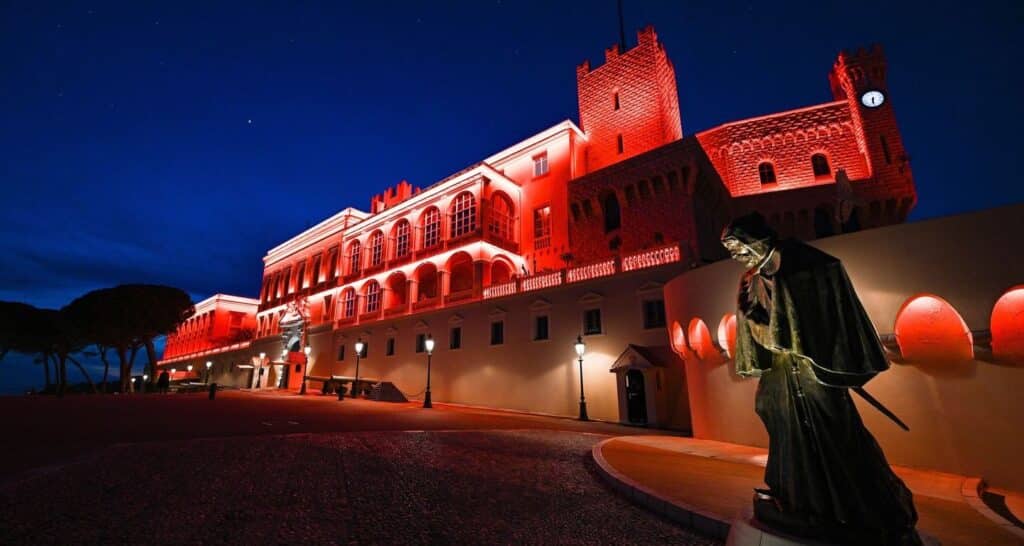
{"points": [[878, 406]]}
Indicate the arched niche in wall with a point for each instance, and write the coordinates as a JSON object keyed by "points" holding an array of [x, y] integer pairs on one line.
{"points": [[1007, 326], [700, 339], [928, 328], [677, 338], [727, 334]]}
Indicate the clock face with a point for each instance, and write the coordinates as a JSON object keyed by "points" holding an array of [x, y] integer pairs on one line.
{"points": [[872, 99]]}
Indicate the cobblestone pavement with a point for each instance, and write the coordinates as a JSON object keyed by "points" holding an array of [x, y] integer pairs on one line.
{"points": [[433, 487]]}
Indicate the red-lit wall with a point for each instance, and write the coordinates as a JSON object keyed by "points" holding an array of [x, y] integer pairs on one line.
{"points": [[214, 325]]}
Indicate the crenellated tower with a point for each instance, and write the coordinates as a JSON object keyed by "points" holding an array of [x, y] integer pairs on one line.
{"points": [[630, 104], [859, 77]]}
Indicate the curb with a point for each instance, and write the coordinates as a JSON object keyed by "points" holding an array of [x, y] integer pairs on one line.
{"points": [[971, 490], [691, 517]]}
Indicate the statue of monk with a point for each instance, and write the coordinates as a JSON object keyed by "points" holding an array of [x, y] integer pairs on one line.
{"points": [[802, 330]]}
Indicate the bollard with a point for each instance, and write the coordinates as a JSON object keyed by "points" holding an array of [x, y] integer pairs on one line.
{"points": [[213, 391]]}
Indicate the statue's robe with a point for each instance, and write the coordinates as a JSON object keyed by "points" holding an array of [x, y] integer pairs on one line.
{"points": [[802, 330]]}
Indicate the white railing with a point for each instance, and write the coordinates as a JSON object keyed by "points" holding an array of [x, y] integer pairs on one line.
{"points": [[651, 258], [591, 271], [537, 282], [500, 290]]}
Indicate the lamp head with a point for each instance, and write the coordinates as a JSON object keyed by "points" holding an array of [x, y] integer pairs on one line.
{"points": [[580, 346], [284, 353], [429, 344], [189, 367], [145, 377], [208, 364], [307, 350], [359, 346], [174, 371]]}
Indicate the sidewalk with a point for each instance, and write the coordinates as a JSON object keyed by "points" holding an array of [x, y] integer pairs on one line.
{"points": [[703, 484]]}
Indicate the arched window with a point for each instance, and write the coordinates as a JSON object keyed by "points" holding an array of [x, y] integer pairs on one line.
{"points": [[402, 238], [376, 248], [612, 214], [501, 217], [348, 303], [767, 173], [463, 214], [355, 262], [372, 293], [431, 227], [819, 163]]}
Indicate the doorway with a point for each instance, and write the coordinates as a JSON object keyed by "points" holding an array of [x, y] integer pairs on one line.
{"points": [[636, 398]]}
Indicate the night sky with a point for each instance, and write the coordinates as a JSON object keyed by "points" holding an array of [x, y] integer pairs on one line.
{"points": [[176, 142]]}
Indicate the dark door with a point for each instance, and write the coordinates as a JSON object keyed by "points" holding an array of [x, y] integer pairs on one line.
{"points": [[636, 399]]}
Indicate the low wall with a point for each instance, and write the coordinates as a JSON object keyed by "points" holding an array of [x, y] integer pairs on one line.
{"points": [[964, 417]]}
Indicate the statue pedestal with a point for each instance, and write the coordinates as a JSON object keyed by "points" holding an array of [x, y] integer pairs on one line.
{"points": [[746, 530]]}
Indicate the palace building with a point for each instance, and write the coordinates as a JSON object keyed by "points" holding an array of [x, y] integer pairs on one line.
{"points": [[571, 232]]}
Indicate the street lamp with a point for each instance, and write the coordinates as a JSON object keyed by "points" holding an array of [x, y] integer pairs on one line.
{"points": [[429, 344], [580, 349], [209, 365], [259, 370], [145, 378], [359, 353], [305, 368]]}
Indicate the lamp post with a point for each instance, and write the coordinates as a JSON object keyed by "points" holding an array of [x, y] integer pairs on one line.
{"points": [[145, 378], [429, 344], [173, 371], [259, 370], [305, 368], [284, 366], [209, 365], [359, 352], [189, 370], [580, 349]]}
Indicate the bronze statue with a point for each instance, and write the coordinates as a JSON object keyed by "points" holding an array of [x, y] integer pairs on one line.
{"points": [[801, 328]]}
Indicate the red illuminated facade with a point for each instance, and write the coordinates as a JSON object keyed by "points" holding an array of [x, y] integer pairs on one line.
{"points": [[624, 190], [219, 321]]}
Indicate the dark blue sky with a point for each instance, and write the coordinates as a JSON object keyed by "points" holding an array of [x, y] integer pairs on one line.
{"points": [[176, 142]]}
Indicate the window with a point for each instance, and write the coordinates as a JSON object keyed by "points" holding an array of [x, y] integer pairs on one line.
{"points": [[341, 352], [500, 219], [819, 164], [615, 100], [300, 276], [658, 185], [575, 212], [372, 297], [630, 195], [376, 248], [354, 253], [332, 263], [540, 328], [591, 322], [463, 214], [348, 303], [612, 217], [402, 239], [421, 343], [619, 140], [767, 173], [498, 332], [885, 149], [328, 300], [455, 338], [540, 165], [431, 227], [389, 347], [588, 209], [542, 227], [673, 181], [654, 314], [316, 273], [287, 281]]}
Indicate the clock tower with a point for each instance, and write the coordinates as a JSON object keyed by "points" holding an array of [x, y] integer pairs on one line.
{"points": [[858, 77]]}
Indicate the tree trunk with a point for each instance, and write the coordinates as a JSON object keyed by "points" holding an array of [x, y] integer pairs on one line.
{"points": [[92, 386], [151, 355], [46, 371], [61, 374], [106, 365], [122, 357]]}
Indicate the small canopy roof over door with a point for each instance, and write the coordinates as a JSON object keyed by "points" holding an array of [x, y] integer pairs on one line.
{"points": [[636, 357]]}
